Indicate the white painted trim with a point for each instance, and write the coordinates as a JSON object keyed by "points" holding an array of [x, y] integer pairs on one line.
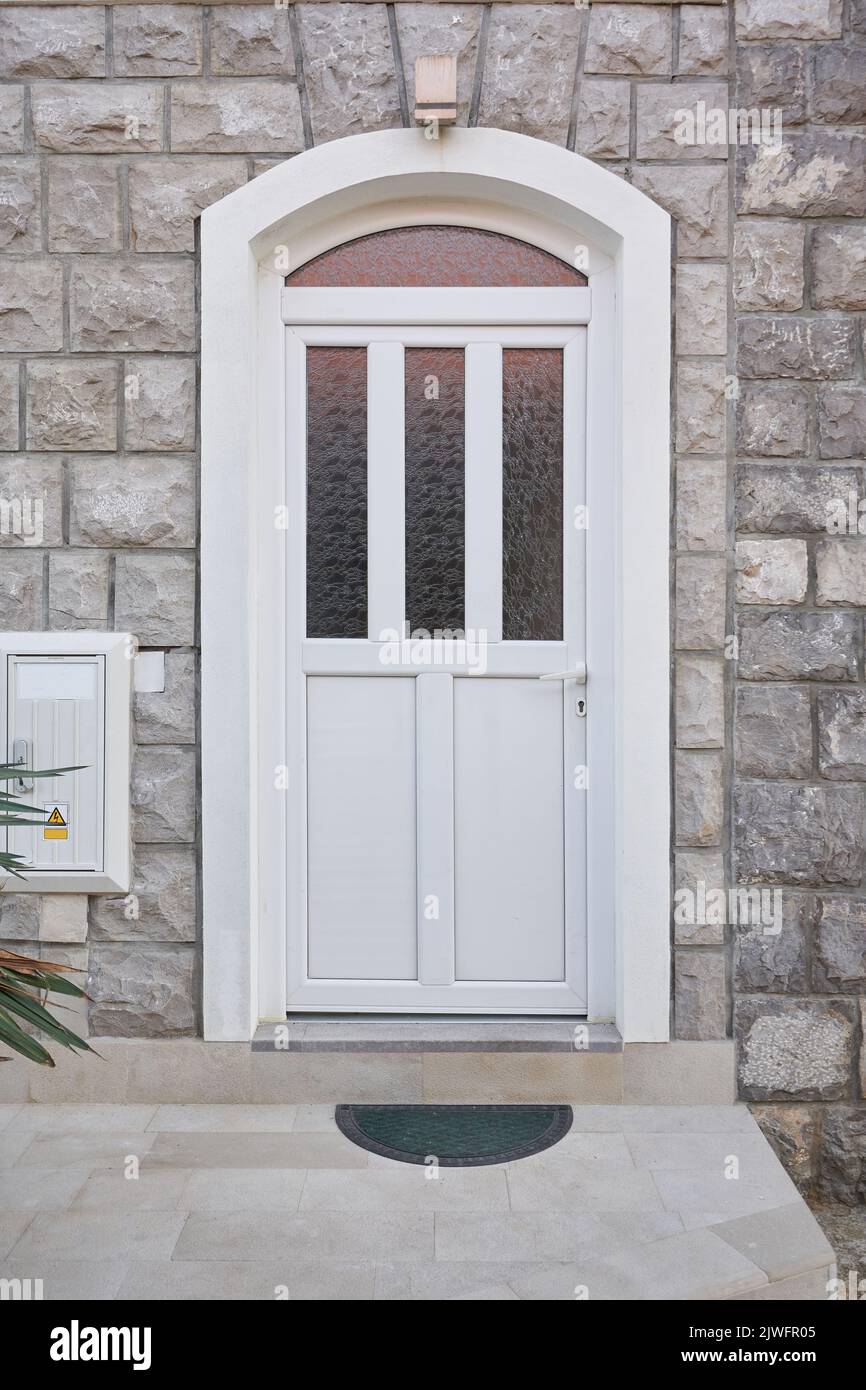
{"points": [[483, 489], [436, 306], [434, 742], [525, 188], [118, 649], [386, 525]]}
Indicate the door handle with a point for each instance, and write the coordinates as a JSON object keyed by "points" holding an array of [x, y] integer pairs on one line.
{"points": [[20, 752], [578, 674]]}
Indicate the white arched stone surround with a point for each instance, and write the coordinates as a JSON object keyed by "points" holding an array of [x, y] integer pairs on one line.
{"points": [[525, 188]]}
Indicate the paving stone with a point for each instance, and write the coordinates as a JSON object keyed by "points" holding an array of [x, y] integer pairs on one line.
{"points": [[155, 598], [77, 591], [323, 1236], [31, 501], [142, 992], [157, 40], [841, 422], [11, 118], [349, 70], [159, 396], [141, 305], [603, 115], [669, 122], [810, 349], [700, 601], [771, 571], [236, 116], [810, 174], [699, 876], [842, 734], [20, 205], [786, 498], [697, 197], [161, 904], [842, 1169], [164, 795], [398, 1188], [698, 798], [167, 195], [139, 501], [792, 1131], [536, 45], [53, 42], [83, 205], [701, 489], [93, 1149], [701, 308], [839, 964], [169, 716], [324, 1280], [150, 1190], [700, 427], [700, 995], [101, 1235], [768, 264], [771, 77], [227, 1119], [793, 1048], [31, 307], [72, 405], [703, 40], [700, 702], [798, 646], [773, 419], [839, 90], [109, 118], [782, 1242], [838, 258], [629, 39], [426, 29], [794, 19], [773, 731], [21, 590], [771, 944], [9, 388], [841, 571], [790, 833]]}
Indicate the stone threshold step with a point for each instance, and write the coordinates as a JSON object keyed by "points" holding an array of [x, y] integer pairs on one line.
{"points": [[415, 1033]]}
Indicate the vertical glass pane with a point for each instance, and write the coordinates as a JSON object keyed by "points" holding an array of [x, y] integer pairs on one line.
{"points": [[532, 494], [434, 488], [336, 492]]}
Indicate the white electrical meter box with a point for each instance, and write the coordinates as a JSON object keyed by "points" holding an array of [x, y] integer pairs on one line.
{"points": [[65, 703]]}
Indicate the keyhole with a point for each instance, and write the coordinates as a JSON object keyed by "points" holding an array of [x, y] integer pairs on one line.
{"points": [[581, 708]]}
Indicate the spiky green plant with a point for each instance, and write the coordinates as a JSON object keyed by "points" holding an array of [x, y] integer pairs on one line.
{"points": [[24, 981]]}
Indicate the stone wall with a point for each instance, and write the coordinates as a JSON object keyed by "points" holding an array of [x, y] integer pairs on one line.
{"points": [[119, 124]]}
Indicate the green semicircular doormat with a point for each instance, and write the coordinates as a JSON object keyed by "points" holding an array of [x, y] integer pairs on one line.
{"points": [[456, 1136]]}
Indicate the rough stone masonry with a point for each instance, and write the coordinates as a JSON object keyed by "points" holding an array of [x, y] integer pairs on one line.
{"points": [[118, 124]]}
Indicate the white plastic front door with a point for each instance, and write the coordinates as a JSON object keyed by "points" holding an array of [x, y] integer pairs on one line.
{"points": [[437, 838]]}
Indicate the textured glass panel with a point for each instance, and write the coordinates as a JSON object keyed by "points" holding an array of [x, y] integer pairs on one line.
{"points": [[532, 494], [436, 256], [434, 488], [336, 492]]}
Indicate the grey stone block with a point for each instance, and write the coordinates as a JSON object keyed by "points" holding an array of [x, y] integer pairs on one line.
{"points": [[21, 590], [772, 77], [83, 205], [808, 349], [169, 716], [141, 991], [537, 46], [11, 119], [251, 41], [789, 19], [775, 498], [793, 1131], [72, 405], [9, 384], [842, 734], [700, 702], [697, 197], [839, 88], [140, 305], [31, 307], [809, 174], [139, 501], [32, 491], [426, 29], [159, 395], [703, 40], [798, 646], [157, 40], [773, 419], [700, 416], [20, 205], [161, 904], [77, 590], [155, 598], [97, 118], [838, 257], [698, 798], [167, 195], [841, 571], [768, 264], [603, 113], [661, 130], [839, 965], [771, 571], [842, 1166], [841, 422], [54, 41], [770, 961], [701, 309], [700, 998], [793, 1049], [699, 875], [790, 833], [701, 489], [629, 39], [773, 731], [163, 796], [236, 116], [700, 601]]}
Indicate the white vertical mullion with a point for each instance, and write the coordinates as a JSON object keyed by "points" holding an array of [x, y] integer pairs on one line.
{"points": [[434, 735], [578, 787], [386, 564], [483, 416], [288, 814]]}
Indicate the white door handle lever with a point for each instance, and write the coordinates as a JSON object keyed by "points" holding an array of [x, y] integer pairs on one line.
{"points": [[578, 674]]}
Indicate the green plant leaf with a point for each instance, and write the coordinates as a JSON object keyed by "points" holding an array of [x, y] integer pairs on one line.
{"points": [[13, 1036]]}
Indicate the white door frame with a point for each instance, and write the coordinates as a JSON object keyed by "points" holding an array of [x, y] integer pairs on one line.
{"points": [[388, 322], [250, 239]]}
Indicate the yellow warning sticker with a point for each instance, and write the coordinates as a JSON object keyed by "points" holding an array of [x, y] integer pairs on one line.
{"points": [[57, 825]]}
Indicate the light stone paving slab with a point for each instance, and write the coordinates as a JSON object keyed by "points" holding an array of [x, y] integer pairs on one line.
{"points": [[249, 1119], [153, 1189], [8, 1113], [12, 1146], [323, 1236], [314, 1119], [90, 1119], [663, 1119], [243, 1189], [580, 1187], [97, 1235], [82, 1150], [233, 1280], [451, 1280], [254, 1151], [67, 1280], [42, 1189], [709, 1152], [13, 1224], [783, 1242], [547, 1236], [690, 1190], [407, 1187]]}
